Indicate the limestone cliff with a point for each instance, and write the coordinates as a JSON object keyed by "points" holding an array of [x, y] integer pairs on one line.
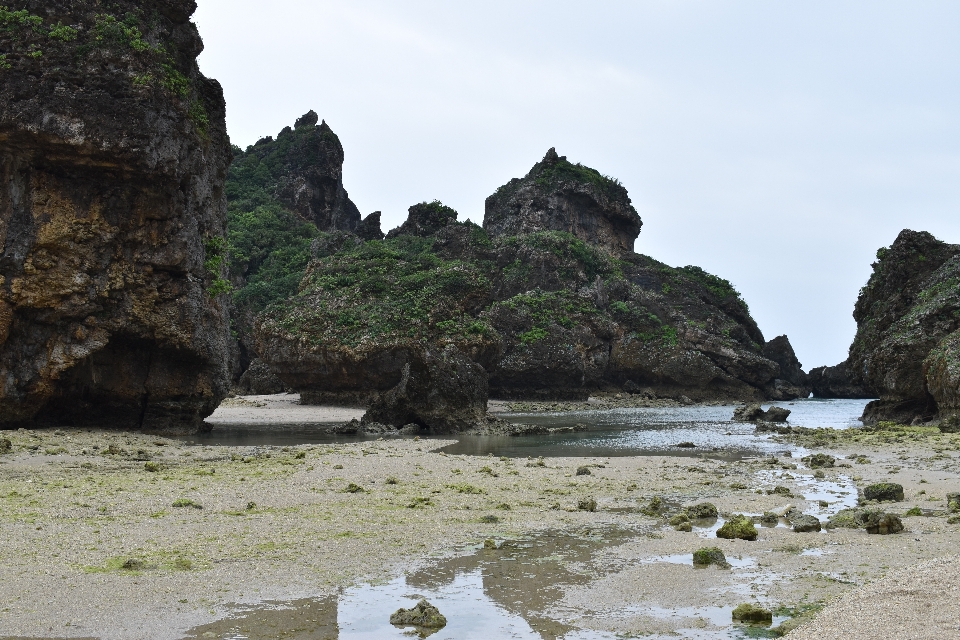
{"points": [[557, 195], [113, 152], [547, 298], [908, 318]]}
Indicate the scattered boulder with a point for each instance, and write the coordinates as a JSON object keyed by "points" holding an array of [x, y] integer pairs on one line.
{"points": [[776, 414], [587, 504], [953, 499], [654, 508], [707, 556], [423, 615], [875, 521], [753, 614], [6, 446], [804, 523], [748, 413], [685, 445], [738, 526], [884, 491], [882, 523], [819, 460], [702, 511], [754, 413], [259, 380], [769, 519], [583, 471], [444, 391]]}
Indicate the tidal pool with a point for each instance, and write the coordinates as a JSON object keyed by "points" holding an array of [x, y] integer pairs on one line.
{"points": [[610, 432], [511, 592]]}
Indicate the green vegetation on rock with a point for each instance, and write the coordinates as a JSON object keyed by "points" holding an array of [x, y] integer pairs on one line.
{"points": [[738, 526]]}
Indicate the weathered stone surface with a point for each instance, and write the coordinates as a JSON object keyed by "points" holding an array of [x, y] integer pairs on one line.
{"points": [[546, 314], [706, 556], [879, 523], [702, 510], [792, 382], [738, 526], [443, 391], [752, 613], [906, 315], [258, 379], [754, 412], [836, 382], [884, 491], [113, 154], [309, 169], [560, 196], [369, 227], [819, 460], [804, 523], [423, 615]]}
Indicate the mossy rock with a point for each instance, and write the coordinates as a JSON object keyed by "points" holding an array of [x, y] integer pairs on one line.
{"points": [[583, 471], [884, 491], [678, 519], [752, 614], [5, 445], [738, 526], [818, 460], [702, 511], [710, 555], [880, 523], [587, 504], [423, 615], [654, 508]]}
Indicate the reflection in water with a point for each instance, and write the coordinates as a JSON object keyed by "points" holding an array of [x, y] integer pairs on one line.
{"points": [[512, 592]]}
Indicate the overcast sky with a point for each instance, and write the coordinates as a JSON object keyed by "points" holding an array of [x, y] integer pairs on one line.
{"points": [[776, 144]]}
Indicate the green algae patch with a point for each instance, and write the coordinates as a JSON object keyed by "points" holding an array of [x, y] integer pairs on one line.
{"points": [[738, 526], [884, 491]]}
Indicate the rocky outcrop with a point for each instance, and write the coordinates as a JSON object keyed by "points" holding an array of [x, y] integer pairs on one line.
{"points": [[545, 313], [259, 380], [836, 382], [444, 392], [908, 317], [557, 195], [113, 152], [307, 165], [791, 382]]}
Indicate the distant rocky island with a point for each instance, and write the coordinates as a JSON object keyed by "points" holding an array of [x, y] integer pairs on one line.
{"points": [[147, 267]]}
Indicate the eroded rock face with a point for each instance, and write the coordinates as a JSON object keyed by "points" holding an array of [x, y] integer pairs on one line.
{"points": [[545, 313], [906, 316], [113, 153], [837, 382], [560, 196], [443, 391], [307, 162], [792, 382]]}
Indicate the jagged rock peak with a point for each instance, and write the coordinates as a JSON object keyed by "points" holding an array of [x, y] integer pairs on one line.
{"points": [[425, 219], [309, 119], [306, 167], [557, 195]]}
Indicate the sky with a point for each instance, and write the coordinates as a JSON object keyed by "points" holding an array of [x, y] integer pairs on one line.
{"points": [[775, 144]]}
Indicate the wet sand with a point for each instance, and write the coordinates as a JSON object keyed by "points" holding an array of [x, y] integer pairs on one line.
{"points": [[94, 546]]}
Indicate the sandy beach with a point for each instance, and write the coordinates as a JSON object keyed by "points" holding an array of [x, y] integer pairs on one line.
{"points": [[119, 535]]}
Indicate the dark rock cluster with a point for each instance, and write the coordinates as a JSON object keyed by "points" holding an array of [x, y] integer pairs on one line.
{"points": [[113, 153]]}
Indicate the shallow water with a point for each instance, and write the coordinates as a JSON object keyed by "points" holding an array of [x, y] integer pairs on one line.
{"points": [[611, 432], [511, 592]]}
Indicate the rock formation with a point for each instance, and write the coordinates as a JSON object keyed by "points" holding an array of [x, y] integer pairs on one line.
{"points": [[113, 151], [307, 163], [557, 195], [548, 300], [907, 346], [836, 382]]}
